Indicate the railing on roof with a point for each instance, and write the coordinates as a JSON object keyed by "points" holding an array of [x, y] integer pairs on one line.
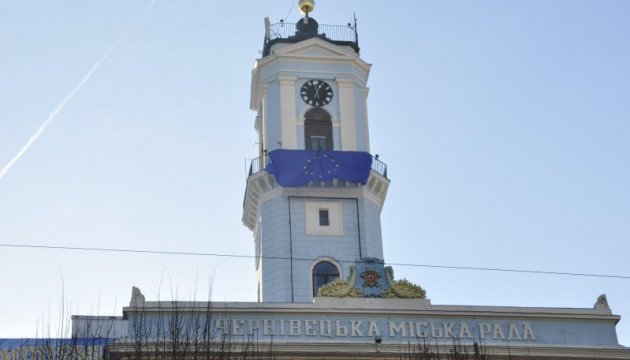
{"points": [[284, 30], [258, 164]]}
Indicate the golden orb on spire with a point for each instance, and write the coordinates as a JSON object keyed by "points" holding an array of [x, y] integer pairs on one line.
{"points": [[306, 6]]}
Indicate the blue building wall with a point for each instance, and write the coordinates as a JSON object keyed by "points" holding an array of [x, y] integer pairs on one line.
{"points": [[53, 348], [371, 229], [289, 253], [275, 251], [343, 250]]}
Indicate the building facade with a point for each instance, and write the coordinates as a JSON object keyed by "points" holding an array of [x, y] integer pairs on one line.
{"points": [[313, 202], [362, 328]]}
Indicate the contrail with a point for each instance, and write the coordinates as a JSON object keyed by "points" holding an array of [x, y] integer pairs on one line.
{"points": [[69, 97]]}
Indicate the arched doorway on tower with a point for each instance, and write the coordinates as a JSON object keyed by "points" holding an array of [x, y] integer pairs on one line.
{"points": [[318, 130]]}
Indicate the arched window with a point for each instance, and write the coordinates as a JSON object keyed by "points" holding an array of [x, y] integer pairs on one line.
{"points": [[318, 130], [323, 273]]}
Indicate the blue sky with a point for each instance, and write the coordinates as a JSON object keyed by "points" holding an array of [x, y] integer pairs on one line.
{"points": [[505, 126]]}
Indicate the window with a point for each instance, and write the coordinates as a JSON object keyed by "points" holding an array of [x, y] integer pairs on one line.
{"points": [[318, 143], [323, 217], [318, 130], [323, 273]]}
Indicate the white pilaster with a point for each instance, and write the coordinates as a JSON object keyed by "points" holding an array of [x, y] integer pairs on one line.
{"points": [[366, 92], [347, 115], [265, 117], [287, 111]]}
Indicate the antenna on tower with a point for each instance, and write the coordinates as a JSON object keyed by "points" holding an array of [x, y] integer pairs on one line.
{"points": [[356, 31]]}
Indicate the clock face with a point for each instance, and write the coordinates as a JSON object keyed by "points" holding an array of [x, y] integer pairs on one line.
{"points": [[316, 92]]}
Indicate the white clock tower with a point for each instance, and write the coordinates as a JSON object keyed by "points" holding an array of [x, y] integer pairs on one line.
{"points": [[315, 194]]}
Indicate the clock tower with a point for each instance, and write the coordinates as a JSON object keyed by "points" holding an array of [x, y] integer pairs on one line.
{"points": [[314, 195]]}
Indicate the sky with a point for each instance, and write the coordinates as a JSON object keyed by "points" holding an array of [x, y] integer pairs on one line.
{"points": [[505, 126]]}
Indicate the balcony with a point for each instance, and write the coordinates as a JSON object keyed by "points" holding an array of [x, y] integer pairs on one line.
{"points": [[260, 182], [258, 164]]}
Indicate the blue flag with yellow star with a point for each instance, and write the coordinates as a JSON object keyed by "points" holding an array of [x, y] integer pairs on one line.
{"points": [[295, 168]]}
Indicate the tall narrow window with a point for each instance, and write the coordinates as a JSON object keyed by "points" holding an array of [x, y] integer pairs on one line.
{"points": [[324, 220], [323, 273], [318, 130]]}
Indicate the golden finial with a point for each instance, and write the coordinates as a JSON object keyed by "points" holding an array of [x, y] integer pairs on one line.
{"points": [[306, 6]]}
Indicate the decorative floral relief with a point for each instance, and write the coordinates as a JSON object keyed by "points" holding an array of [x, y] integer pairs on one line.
{"points": [[402, 288], [341, 287]]}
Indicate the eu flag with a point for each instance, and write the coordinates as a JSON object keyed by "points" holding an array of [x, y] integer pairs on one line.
{"points": [[295, 168]]}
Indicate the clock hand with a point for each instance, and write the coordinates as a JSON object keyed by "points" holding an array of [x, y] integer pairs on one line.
{"points": [[317, 88]]}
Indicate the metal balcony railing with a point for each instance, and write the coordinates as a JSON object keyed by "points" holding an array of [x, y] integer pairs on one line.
{"points": [[258, 164], [379, 166], [284, 30]]}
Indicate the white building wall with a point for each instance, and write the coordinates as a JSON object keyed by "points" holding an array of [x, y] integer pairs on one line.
{"points": [[283, 79], [273, 129]]}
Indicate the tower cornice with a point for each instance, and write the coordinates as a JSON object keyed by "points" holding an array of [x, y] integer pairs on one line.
{"points": [[262, 186], [305, 49]]}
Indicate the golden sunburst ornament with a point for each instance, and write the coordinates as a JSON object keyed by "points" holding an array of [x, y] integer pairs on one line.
{"points": [[306, 6]]}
